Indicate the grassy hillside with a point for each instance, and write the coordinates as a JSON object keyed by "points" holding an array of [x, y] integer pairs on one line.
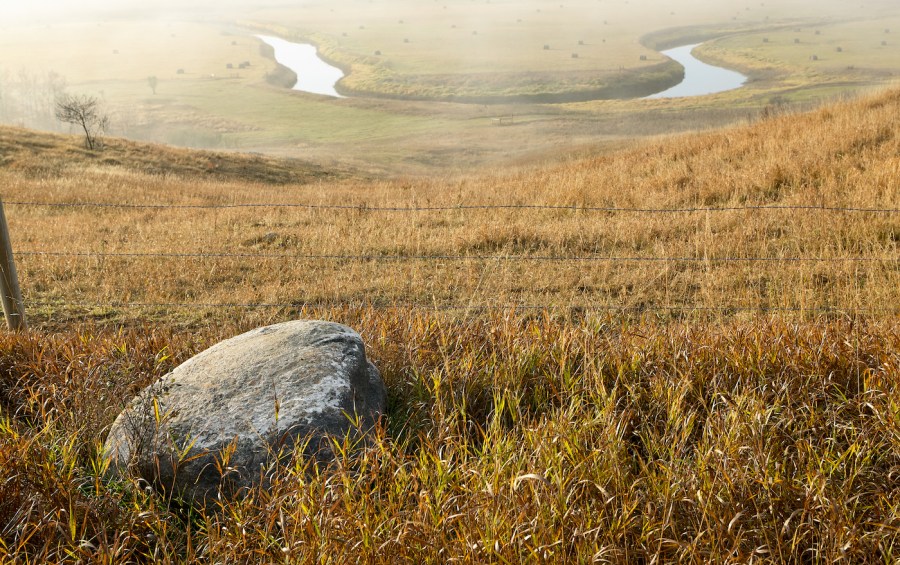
{"points": [[685, 350], [735, 240], [36, 155]]}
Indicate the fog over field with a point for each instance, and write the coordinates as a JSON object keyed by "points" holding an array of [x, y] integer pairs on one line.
{"points": [[426, 82]]}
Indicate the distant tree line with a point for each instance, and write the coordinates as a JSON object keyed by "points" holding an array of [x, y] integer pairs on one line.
{"points": [[29, 99], [40, 101]]}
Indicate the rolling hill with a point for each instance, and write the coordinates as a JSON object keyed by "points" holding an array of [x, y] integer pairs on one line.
{"points": [[685, 350]]}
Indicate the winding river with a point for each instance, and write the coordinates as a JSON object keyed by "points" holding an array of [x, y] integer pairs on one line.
{"points": [[699, 78], [313, 74], [318, 77]]}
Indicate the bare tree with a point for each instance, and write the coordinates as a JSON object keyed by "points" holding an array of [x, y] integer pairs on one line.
{"points": [[85, 112]]}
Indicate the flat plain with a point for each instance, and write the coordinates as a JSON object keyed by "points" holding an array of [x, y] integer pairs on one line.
{"points": [[435, 52]]}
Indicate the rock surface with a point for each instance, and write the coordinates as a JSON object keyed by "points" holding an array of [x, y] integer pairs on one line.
{"points": [[259, 394]]}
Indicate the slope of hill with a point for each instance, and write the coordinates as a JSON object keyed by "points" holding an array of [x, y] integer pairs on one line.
{"points": [[793, 212], [684, 351], [38, 154]]}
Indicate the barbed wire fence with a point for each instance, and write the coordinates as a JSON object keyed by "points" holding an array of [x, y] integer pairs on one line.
{"points": [[892, 310], [450, 208]]}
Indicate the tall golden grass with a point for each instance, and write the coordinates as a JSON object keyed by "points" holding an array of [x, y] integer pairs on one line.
{"points": [[815, 259], [758, 423], [508, 440]]}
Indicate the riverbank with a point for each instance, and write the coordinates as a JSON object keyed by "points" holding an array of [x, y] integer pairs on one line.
{"points": [[281, 76], [374, 76], [530, 88], [679, 75]]}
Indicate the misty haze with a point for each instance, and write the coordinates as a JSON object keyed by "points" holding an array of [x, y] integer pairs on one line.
{"points": [[425, 82]]}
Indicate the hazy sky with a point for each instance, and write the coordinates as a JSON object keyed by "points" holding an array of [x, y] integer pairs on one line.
{"points": [[54, 10]]}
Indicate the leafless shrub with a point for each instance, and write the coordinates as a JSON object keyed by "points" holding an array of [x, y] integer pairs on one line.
{"points": [[85, 112]]}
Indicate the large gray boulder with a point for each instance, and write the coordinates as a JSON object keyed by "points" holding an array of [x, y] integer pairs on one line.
{"points": [[217, 421]]}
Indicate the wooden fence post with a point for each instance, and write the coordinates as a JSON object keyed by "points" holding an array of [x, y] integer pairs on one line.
{"points": [[10, 294]]}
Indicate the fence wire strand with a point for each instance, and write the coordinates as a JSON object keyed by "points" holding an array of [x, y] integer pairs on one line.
{"points": [[471, 307], [499, 307], [404, 257], [368, 208]]}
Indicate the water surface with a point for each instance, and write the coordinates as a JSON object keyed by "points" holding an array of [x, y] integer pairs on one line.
{"points": [[313, 74], [699, 78], [318, 77]]}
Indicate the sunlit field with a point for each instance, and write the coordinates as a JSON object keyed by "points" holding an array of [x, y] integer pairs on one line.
{"points": [[686, 350], [758, 222]]}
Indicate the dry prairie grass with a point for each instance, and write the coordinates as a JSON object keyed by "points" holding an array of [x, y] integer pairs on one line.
{"points": [[815, 259], [508, 440], [565, 435]]}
